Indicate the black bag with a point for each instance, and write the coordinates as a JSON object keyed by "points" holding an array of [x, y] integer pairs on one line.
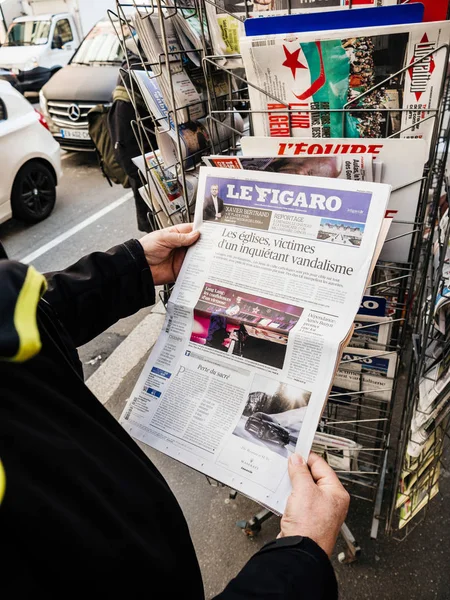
{"points": [[100, 135]]}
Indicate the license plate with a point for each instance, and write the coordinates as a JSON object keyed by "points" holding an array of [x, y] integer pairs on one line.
{"points": [[75, 134]]}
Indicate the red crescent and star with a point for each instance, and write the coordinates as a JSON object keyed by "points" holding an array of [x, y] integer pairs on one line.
{"points": [[292, 61]]}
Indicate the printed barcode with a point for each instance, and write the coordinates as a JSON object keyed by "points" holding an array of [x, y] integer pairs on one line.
{"points": [[263, 43], [130, 410]]}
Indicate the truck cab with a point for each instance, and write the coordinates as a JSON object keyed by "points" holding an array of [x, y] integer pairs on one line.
{"points": [[36, 47]]}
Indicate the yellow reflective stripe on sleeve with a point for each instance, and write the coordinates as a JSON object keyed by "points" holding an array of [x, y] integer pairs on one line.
{"points": [[25, 313], [2, 482]]}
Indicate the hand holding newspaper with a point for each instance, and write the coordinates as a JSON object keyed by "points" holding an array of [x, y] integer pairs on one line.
{"points": [[256, 324]]}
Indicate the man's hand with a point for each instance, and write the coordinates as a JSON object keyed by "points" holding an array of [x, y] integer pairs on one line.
{"points": [[165, 250], [318, 503]]}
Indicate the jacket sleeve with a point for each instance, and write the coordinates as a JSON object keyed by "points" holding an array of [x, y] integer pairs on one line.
{"points": [[292, 568], [100, 289]]}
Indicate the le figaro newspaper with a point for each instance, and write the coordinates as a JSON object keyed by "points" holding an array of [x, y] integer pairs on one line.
{"points": [[256, 323]]}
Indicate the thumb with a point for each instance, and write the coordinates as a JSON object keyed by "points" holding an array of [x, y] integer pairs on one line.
{"points": [[178, 240], [299, 472]]}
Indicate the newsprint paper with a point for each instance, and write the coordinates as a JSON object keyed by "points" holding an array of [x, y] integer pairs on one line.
{"points": [[320, 74], [255, 324]]}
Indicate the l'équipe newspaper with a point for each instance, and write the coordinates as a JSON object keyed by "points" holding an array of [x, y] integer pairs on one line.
{"points": [[256, 323], [316, 75]]}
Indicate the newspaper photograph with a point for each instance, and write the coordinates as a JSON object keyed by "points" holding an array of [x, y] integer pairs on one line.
{"points": [[357, 167], [317, 75], [403, 175], [256, 324]]}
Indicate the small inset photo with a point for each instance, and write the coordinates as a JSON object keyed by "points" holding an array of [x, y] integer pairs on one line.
{"points": [[273, 415], [343, 233], [245, 325]]}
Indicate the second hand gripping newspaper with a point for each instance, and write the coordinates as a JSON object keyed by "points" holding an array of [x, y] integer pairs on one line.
{"points": [[256, 324]]}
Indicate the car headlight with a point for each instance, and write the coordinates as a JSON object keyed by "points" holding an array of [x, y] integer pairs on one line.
{"points": [[31, 64]]}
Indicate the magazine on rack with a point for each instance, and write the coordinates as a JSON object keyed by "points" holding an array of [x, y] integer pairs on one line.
{"points": [[195, 136], [165, 196], [339, 452], [226, 18], [256, 324], [328, 71], [403, 175], [368, 371], [373, 332], [356, 167]]}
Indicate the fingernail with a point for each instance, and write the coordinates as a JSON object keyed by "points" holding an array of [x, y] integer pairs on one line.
{"points": [[297, 460]]}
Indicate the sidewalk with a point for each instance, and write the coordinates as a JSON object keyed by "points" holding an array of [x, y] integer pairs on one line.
{"points": [[416, 569]]}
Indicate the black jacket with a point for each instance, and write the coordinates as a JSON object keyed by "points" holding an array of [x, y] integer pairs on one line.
{"points": [[209, 211], [84, 509]]}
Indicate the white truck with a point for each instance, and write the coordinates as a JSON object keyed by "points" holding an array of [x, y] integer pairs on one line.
{"points": [[43, 39]]}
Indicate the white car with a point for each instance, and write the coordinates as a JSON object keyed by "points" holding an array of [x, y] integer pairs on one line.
{"points": [[30, 160]]}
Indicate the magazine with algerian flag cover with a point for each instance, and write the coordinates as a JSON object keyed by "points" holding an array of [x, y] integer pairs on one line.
{"points": [[318, 75], [402, 163]]}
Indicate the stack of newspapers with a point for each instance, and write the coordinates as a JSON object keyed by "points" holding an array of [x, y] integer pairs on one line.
{"points": [[273, 321]]}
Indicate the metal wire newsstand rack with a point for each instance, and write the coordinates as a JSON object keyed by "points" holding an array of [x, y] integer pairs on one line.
{"points": [[369, 420]]}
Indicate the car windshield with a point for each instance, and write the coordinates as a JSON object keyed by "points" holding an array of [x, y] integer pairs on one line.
{"points": [[100, 46], [265, 417], [28, 33]]}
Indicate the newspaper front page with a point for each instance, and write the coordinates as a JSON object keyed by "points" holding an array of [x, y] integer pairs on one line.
{"points": [[255, 324], [319, 74]]}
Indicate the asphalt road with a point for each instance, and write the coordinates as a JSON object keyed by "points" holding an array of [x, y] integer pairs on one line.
{"points": [[83, 193]]}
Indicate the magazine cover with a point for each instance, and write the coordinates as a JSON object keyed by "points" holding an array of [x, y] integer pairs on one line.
{"points": [[401, 162], [332, 70], [165, 196], [256, 323]]}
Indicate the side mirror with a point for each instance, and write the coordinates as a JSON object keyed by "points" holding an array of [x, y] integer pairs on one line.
{"points": [[57, 42]]}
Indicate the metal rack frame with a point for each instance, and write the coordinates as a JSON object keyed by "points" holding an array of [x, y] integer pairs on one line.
{"points": [[368, 421]]}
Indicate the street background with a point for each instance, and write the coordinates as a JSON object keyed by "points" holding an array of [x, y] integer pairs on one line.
{"points": [[89, 216]]}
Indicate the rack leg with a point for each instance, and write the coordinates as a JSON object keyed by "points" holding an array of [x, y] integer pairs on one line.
{"points": [[253, 526], [379, 499], [353, 550]]}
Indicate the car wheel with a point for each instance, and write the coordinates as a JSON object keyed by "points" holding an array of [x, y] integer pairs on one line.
{"points": [[34, 193]]}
